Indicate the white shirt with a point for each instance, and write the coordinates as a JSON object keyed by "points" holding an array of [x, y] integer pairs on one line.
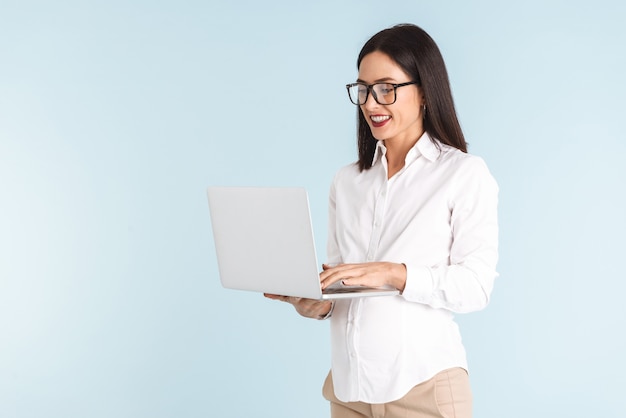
{"points": [[438, 216]]}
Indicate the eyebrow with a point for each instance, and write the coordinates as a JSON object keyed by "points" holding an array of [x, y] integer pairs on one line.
{"points": [[380, 80]]}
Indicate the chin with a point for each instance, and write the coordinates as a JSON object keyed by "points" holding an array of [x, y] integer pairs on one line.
{"points": [[378, 135]]}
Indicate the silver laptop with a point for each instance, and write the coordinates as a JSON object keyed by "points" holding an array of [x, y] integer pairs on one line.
{"points": [[264, 243]]}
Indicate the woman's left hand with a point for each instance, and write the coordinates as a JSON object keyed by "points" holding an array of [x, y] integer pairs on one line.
{"points": [[375, 274], [309, 308]]}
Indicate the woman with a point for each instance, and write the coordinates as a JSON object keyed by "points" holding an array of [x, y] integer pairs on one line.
{"points": [[416, 213]]}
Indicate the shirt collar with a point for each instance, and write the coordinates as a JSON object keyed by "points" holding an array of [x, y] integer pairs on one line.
{"points": [[429, 147], [424, 146]]}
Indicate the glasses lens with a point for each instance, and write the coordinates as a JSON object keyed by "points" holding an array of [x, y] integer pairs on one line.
{"points": [[358, 93], [384, 93]]}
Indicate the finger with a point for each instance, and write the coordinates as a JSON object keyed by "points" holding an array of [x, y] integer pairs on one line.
{"points": [[344, 272], [277, 297], [334, 277], [354, 282], [330, 270]]}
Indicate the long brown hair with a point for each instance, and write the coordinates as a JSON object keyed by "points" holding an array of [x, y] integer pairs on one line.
{"points": [[418, 55]]}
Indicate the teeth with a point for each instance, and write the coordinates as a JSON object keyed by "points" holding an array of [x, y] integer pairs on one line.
{"points": [[379, 119]]}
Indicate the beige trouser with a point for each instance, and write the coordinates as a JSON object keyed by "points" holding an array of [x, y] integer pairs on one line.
{"points": [[447, 395]]}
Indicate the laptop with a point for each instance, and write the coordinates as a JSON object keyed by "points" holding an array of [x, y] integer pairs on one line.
{"points": [[264, 243]]}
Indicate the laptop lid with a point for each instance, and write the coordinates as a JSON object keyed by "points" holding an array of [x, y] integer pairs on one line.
{"points": [[264, 242]]}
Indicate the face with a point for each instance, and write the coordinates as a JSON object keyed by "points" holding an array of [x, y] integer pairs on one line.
{"points": [[398, 122]]}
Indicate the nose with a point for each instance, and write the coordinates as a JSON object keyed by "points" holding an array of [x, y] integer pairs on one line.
{"points": [[370, 102]]}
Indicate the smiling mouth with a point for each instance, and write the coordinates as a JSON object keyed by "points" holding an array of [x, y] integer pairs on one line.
{"points": [[379, 120]]}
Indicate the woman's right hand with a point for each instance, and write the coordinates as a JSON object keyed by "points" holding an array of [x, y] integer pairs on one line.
{"points": [[309, 308]]}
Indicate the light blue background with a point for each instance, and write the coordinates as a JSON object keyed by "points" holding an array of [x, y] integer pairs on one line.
{"points": [[115, 116]]}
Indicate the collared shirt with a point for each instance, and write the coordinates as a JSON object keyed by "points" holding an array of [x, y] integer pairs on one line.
{"points": [[438, 216]]}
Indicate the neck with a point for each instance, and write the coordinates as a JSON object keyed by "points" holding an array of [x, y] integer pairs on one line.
{"points": [[396, 153]]}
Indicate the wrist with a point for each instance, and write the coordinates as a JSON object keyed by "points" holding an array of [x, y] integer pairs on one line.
{"points": [[329, 313], [399, 276]]}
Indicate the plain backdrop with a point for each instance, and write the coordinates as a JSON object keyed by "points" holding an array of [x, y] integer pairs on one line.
{"points": [[116, 115]]}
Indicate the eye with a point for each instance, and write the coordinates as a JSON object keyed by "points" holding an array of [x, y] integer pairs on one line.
{"points": [[386, 89]]}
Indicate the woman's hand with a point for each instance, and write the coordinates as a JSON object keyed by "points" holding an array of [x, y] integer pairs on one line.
{"points": [[309, 308], [365, 274]]}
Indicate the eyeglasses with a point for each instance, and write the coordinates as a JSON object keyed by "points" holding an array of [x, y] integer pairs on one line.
{"points": [[383, 93]]}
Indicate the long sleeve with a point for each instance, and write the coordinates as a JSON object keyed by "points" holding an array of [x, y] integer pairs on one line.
{"points": [[465, 281], [333, 254]]}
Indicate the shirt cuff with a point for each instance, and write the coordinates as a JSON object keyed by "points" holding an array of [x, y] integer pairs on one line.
{"points": [[329, 314], [419, 284]]}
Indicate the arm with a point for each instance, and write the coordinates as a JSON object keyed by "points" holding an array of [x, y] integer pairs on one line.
{"points": [[464, 284]]}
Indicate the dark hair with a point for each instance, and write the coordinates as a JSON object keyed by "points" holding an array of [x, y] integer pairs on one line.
{"points": [[418, 55]]}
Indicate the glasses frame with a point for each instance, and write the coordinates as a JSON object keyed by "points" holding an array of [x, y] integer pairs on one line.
{"points": [[370, 89]]}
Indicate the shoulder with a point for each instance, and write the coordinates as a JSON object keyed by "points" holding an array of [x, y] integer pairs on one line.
{"points": [[468, 175], [462, 163], [463, 174], [347, 173]]}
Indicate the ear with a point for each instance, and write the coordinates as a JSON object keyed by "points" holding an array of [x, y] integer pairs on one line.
{"points": [[422, 101], [421, 97]]}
